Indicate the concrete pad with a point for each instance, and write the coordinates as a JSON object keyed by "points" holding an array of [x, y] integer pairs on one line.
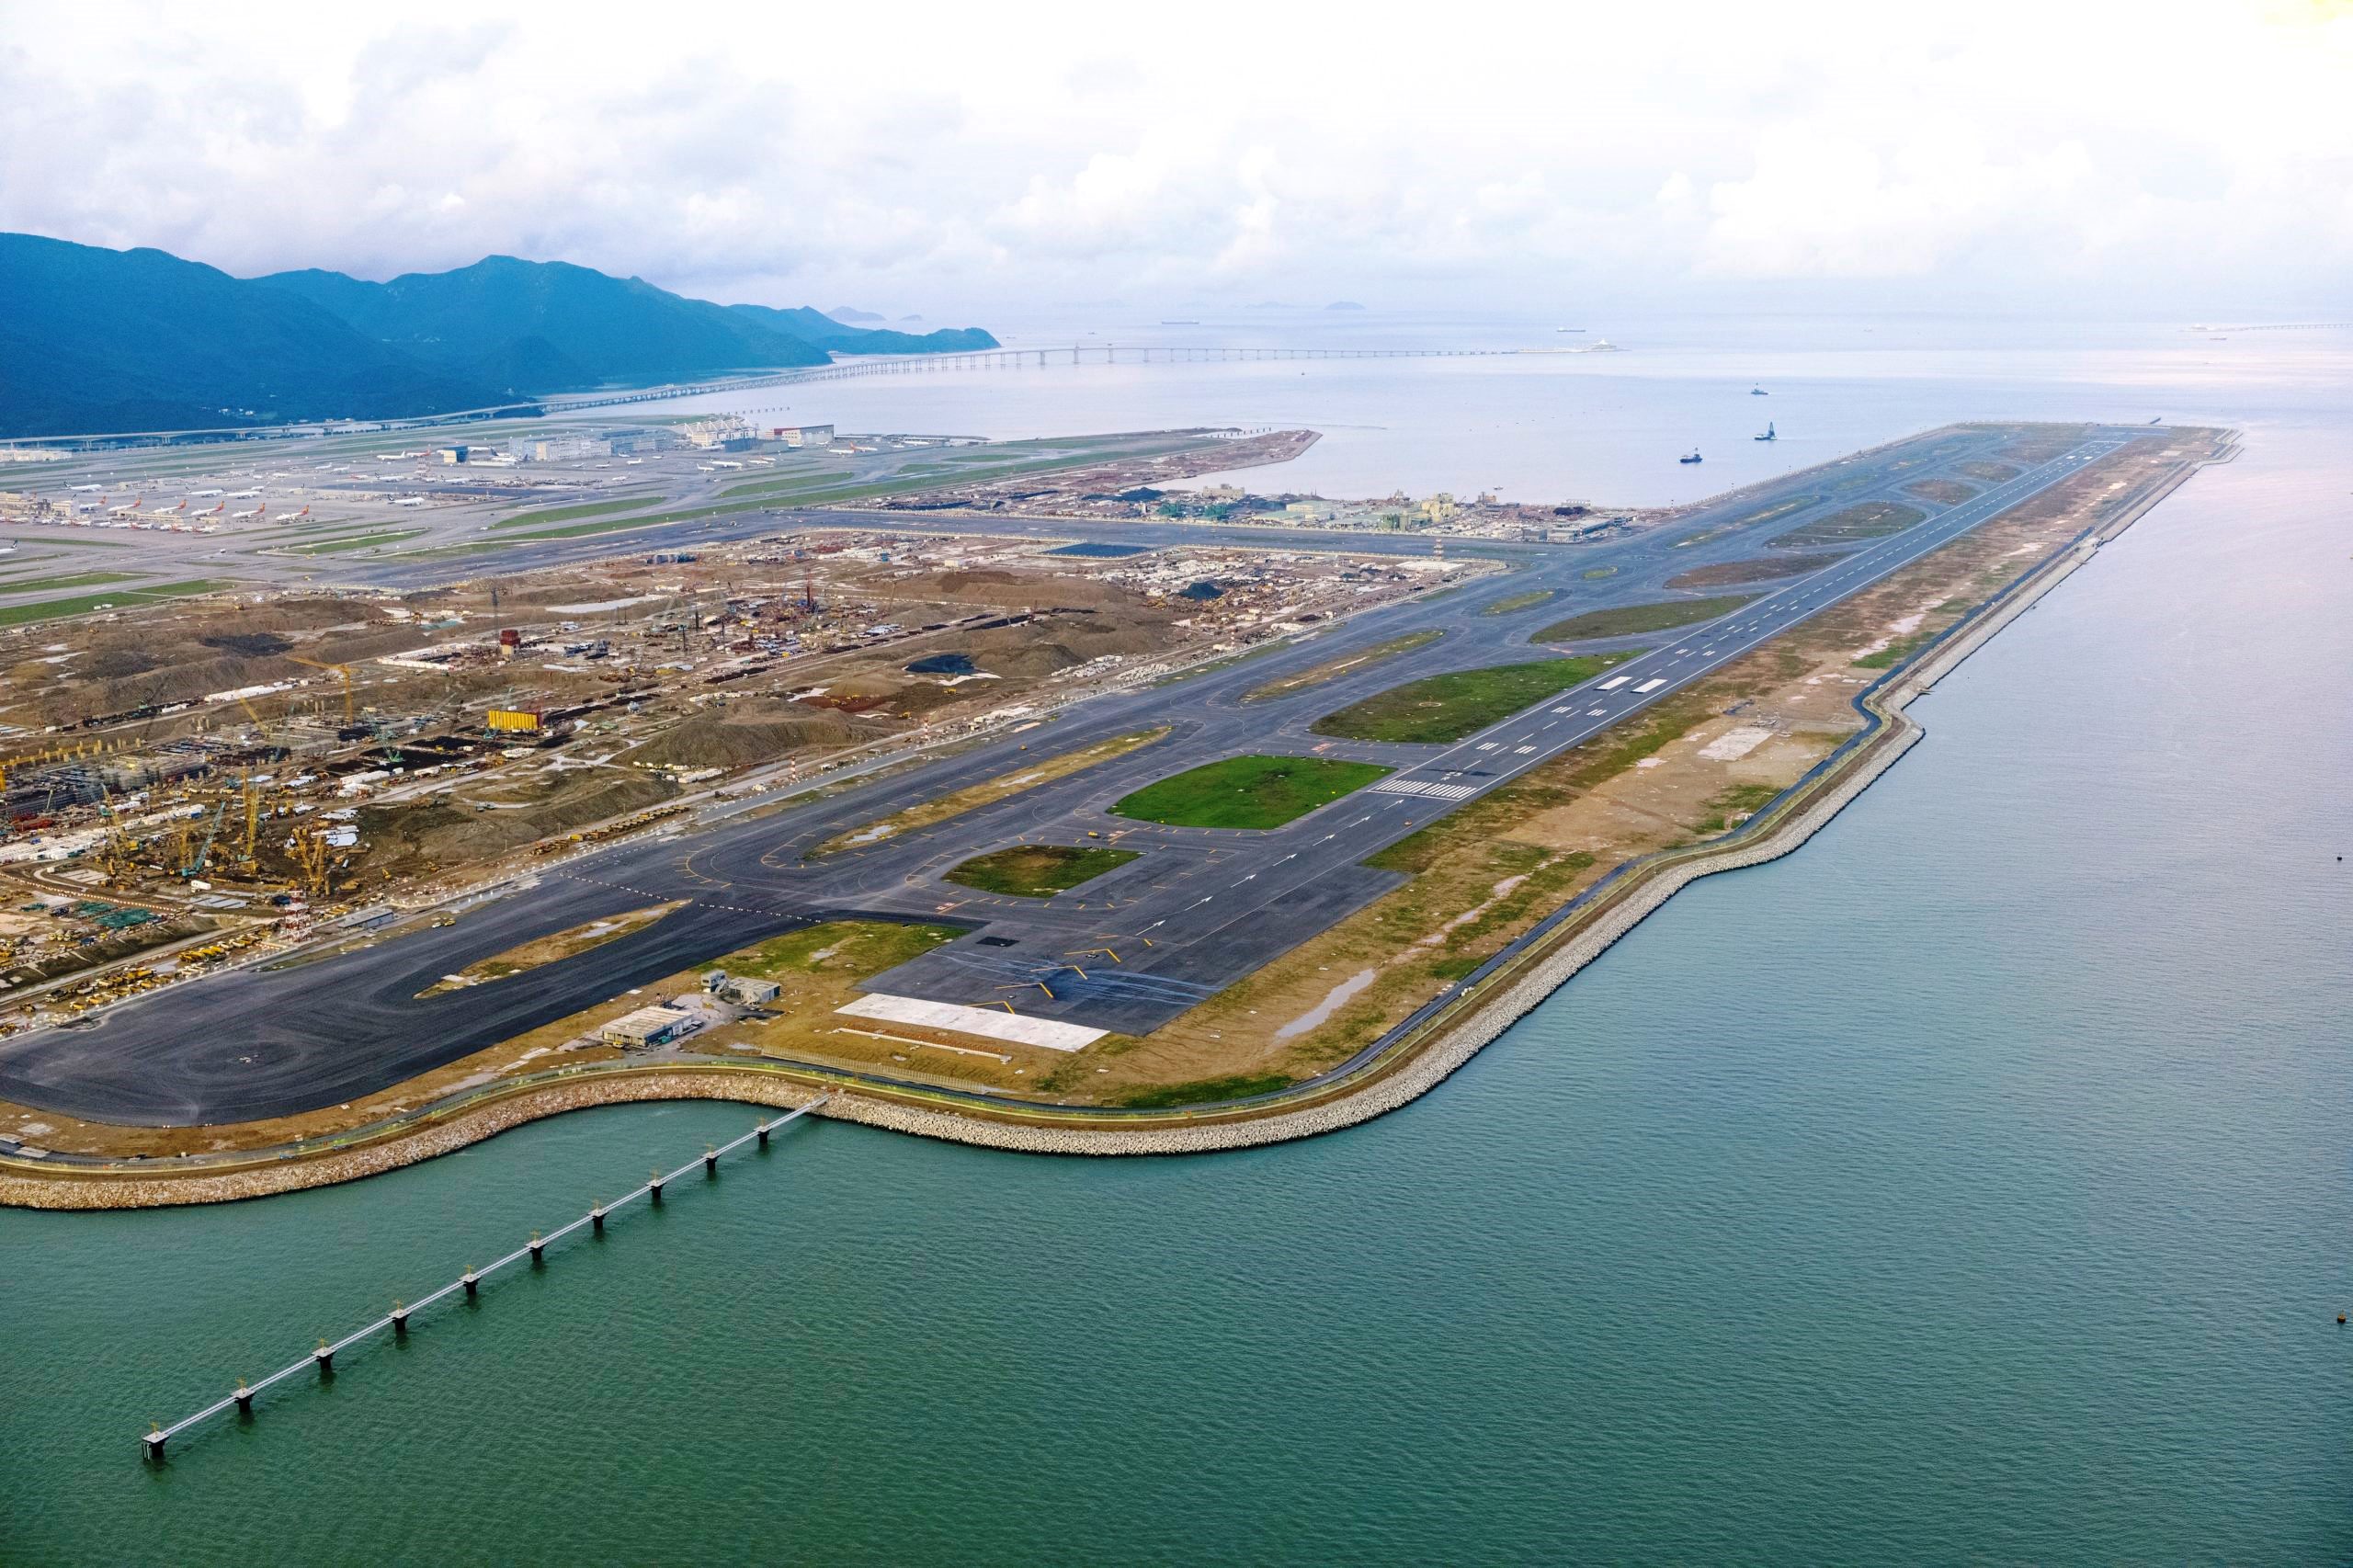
{"points": [[1733, 745], [959, 1019]]}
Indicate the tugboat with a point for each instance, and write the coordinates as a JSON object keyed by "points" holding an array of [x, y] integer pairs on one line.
{"points": [[1692, 459], [1768, 435]]}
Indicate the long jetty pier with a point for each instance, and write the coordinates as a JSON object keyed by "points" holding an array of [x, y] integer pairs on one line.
{"points": [[323, 1359]]}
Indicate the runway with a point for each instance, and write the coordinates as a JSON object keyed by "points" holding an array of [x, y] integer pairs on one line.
{"points": [[1198, 910]]}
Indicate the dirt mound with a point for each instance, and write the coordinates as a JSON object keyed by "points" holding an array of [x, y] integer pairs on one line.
{"points": [[406, 838], [1030, 660], [968, 583], [1056, 643], [740, 735]]}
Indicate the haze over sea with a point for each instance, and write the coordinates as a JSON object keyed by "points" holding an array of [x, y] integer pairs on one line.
{"points": [[1973, 1183]]}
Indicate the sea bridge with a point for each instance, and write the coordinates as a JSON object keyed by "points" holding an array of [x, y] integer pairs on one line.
{"points": [[471, 1281]]}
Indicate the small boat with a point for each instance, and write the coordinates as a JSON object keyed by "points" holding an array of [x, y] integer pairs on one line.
{"points": [[1568, 329], [1758, 391], [1768, 435], [1692, 459]]}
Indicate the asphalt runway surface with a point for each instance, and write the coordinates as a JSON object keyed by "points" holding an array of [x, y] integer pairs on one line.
{"points": [[1198, 909]]}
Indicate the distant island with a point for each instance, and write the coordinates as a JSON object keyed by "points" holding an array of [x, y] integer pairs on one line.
{"points": [[852, 313], [102, 340], [1344, 305]]}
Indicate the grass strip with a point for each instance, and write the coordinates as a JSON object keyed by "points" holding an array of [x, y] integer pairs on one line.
{"points": [[337, 545], [1633, 620], [781, 482], [72, 580], [1518, 602], [1766, 569], [1037, 870], [1872, 519], [1332, 670], [1439, 709], [1248, 791], [52, 609], [568, 514], [1201, 1091]]}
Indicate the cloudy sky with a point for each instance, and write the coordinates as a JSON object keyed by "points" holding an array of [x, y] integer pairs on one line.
{"points": [[963, 159]]}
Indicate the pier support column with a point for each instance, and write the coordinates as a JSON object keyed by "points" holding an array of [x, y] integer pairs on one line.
{"points": [[537, 1248], [654, 1191], [472, 1283], [596, 1219], [764, 1135], [399, 1320], [244, 1398], [154, 1441], [710, 1161], [325, 1358]]}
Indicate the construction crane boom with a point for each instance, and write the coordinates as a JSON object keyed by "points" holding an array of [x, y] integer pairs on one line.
{"points": [[342, 670]]}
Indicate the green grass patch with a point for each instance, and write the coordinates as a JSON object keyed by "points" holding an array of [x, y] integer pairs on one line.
{"points": [[1248, 791], [839, 947], [585, 509], [72, 580], [1595, 573], [1736, 805], [52, 609], [1872, 519], [1778, 509], [1445, 707], [1633, 620], [1204, 1091], [1518, 602], [1037, 870], [343, 542], [776, 481]]}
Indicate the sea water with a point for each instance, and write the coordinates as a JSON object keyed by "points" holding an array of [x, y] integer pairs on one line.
{"points": [[1973, 1183]]}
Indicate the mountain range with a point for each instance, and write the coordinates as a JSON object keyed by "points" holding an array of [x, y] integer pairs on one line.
{"points": [[103, 340]]}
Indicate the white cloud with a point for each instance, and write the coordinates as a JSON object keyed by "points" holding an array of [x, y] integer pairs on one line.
{"points": [[2179, 151]]}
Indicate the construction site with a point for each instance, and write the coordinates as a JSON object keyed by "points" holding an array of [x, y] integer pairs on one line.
{"points": [[213, 780]]}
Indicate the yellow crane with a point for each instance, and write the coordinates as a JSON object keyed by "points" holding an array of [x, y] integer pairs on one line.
{"points": [[311, 860], [253, 819]]}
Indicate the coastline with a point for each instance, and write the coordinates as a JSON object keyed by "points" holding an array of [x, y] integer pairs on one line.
{"points": [[1418, 1056]]}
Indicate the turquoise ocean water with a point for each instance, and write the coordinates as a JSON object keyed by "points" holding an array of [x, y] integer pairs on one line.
{"points": [[1973, 1185]]}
